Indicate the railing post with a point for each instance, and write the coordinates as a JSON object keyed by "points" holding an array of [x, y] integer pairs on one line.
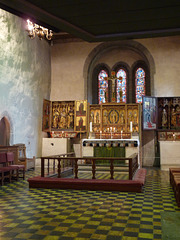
{"points": [[93, 169], [42, 167], [59, 168], [48, 166], [130, 169], [112, 168], [76, 169], [54, 166]]}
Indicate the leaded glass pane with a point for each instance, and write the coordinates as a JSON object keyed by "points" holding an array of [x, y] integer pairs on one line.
{"points": [[121, 85], [103, 87], [140, 84]]}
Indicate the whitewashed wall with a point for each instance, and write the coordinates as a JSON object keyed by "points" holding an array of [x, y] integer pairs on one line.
{"points": [[25, 74]]}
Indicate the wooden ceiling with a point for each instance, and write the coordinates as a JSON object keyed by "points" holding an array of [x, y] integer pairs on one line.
{"points": [[101, 20]]}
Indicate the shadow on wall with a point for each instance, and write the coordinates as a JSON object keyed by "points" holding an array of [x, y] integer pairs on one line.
{"points": [[4, 132]]}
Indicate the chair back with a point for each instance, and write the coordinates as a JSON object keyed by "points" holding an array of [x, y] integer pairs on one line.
{"points": [[3, 158], [10, 157]]}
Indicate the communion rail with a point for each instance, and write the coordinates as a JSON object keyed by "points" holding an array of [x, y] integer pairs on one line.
{"points": [[72, 162], [51, 163]]}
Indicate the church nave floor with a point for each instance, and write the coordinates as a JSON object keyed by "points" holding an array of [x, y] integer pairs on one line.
{"points": [[50, 214]]}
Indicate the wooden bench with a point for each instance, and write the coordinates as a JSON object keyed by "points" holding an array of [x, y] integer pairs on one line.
{"points": [[174, 177]]}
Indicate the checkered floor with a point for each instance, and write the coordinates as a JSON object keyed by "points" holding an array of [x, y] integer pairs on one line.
{"points": [[71, 214]]}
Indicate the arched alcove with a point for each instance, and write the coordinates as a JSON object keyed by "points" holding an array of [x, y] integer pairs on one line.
{"points": [[6, 130], [102, 50]]}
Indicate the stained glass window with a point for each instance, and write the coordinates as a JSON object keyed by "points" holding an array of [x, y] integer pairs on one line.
{"points": [[103, 87], [139, 84], [121, 85]]}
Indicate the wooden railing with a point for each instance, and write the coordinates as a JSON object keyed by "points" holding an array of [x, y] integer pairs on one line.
{"points": [[132, 164], [51, 169]]}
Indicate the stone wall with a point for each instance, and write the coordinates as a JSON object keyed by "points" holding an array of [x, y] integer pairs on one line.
{"points": [[72, 64], [25, 79]]}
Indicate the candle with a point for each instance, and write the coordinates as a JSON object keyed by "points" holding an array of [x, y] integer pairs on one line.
{"points": [[100, 134], [131, 127], [121, 133], [111, 129], [90, 126]]}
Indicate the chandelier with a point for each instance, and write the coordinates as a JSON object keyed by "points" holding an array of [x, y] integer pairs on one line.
{"points": [[35, 29]]}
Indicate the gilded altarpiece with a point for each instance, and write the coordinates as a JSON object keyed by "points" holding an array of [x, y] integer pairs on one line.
{"points": [[114, 118], [62, 116], [132, 116], [81, 116], [95, 117]]}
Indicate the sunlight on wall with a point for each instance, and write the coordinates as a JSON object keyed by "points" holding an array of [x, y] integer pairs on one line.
{"points": [[25, 73]]}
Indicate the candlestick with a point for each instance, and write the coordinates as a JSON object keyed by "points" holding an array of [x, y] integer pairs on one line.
{"points": [[131, 127]]}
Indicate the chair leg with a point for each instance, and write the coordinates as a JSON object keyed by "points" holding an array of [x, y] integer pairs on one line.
{"points": [[2, 178], [10, 176], [23, 174], [17, 174]]}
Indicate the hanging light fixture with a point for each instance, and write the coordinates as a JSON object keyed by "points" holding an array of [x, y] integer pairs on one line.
{"points": [[35, 29]]}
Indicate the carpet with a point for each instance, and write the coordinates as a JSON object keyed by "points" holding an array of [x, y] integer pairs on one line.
{"points": [[170, 225]]}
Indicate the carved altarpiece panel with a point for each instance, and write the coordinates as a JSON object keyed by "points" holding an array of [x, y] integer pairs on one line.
{"points": [[114, 118], [62, 116], [80, 116]]}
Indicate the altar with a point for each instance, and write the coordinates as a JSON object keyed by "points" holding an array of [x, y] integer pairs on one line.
{"points": [[110, 148]]}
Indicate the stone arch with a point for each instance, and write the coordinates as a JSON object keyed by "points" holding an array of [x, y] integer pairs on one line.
{"points": [[6, 129], [102, 48]]}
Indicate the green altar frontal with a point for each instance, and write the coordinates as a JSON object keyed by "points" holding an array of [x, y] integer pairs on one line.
{"points": [[109, 151]]}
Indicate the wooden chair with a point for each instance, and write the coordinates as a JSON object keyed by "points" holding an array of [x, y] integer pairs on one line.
{"points": [[5, 172], [10, 163], [29, 163]]}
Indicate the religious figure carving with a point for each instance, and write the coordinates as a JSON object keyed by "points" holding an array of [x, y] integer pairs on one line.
{"points": [[55, 117], [92, 117], [135, 117], [164, 118], [130, 116], [122, 117], [97, 117], [173, 117], [105, 117]]}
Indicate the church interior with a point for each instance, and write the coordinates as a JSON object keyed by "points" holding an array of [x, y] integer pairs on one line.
{"points": [[90, 109]]}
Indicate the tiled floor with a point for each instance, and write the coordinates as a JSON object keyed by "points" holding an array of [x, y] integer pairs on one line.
{"points": [[71, 214]]}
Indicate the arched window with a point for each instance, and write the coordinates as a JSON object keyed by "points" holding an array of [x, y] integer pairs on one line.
{"points": [[140, 77], [121, 85], [102, 87]]}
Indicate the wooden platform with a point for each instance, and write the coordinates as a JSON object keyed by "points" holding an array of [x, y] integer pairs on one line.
{"points": [[135, 185]]}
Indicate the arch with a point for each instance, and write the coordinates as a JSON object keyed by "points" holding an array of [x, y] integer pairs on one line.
{"points": [[127, 69], [136, 65], [102, 48], [6, 129], [94, 86]]}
